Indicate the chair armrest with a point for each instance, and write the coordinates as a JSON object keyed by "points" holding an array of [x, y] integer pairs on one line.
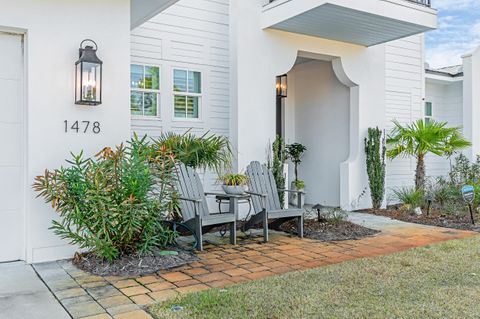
{"points": [[291, 191], [193, 200], [256, 194]]}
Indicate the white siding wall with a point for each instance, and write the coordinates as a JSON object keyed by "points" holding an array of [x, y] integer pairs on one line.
{"points": [[404, 99], [192, 34], [447, 101]]}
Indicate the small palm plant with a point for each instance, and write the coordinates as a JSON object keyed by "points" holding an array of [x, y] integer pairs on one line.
{"points": [[208, 151], [419, 139]]}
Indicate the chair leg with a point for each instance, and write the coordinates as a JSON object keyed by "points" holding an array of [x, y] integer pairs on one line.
{"points": [[300, 226], [233, 233], [198, 230], [265, 226]]}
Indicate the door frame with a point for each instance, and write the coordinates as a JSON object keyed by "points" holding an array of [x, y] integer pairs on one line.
{"points": [[24, 131]]}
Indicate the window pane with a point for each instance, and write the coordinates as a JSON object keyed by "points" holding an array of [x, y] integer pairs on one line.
{"points": [[428, 109], [152, 78], [136, 99], [194, 82], [192, 107], [150, 104], [180, 105], [180, 80], [427, 120], [136, 76]]}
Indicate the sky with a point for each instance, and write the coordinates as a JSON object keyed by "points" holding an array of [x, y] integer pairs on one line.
{"points": [[458, 32]]}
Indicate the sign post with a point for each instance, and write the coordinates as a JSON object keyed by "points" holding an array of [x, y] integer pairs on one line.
{"points": [[468, 193]]}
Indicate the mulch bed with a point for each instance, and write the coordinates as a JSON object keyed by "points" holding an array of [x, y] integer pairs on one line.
{"points": [[435, 218], [325, 231], [132, 265]]}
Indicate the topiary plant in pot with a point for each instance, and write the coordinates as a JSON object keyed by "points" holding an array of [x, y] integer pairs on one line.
{"points": [[295, 153]]}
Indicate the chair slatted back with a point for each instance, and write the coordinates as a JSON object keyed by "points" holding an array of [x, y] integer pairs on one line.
{"points": [[189, 185], [260, 180]]}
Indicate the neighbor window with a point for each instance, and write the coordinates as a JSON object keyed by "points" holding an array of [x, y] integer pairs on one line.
{"points": [[145, 90], [187, 90], [428, 112]]}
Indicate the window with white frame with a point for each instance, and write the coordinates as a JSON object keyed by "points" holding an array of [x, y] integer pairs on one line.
{"points": [[144, 90], [428, 112], [187, 90]]}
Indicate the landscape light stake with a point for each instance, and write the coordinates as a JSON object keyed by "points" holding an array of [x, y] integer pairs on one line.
{"points": [[471, 213], [318, 208], [429, 200]]}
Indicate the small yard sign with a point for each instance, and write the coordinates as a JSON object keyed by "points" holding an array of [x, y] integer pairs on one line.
{"points": [[468, 193]]}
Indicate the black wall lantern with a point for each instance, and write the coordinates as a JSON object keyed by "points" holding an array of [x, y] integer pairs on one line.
{"points": [[88, 75], [281, 86]]}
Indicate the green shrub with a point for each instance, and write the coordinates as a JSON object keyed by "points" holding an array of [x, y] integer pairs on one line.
{"points": [[409, 196], [465, 172], [114, 203], [333, 216], [375, 150], [276, 165]]}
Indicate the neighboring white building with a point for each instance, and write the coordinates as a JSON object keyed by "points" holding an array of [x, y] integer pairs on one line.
{"points": [[213, 66], [453, 96]]}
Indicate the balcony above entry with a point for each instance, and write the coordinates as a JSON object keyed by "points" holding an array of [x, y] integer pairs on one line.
{"points": [[366, 22]]}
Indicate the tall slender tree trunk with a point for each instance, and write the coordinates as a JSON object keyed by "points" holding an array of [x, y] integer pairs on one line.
{"points": [[420, 173]]}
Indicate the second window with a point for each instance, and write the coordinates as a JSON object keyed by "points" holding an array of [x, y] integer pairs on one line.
{"points": [[187, 90]]}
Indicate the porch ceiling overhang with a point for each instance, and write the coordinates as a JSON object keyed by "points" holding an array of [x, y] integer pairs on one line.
{"points": [[365, 22], [143, 10]]}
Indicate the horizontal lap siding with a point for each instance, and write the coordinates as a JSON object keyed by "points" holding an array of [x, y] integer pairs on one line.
{"points": [[192, 34], [447, 102], [403, 99]]}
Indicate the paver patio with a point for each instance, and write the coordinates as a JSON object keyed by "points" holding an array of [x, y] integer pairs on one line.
{"points": [[87, 296]]}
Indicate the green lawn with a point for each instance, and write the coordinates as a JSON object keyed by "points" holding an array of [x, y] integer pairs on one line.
{"points": [[440, 281]]}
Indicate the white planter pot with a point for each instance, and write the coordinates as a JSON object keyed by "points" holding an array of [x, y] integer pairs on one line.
{"points": [[234, 190], [293, 197]]}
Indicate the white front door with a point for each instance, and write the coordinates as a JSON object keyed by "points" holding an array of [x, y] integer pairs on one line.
{"points": [[11, 147]]}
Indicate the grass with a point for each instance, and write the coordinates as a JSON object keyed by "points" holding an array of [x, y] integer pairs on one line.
{"points": [[439, 281]]}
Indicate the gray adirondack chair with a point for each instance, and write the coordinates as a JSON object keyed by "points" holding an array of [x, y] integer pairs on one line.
{"points": [[266, 203], [193, 203]]}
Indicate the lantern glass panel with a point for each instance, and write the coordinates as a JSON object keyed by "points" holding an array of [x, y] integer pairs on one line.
{"points": [[78, 81], [283, 86], [90, 82]]}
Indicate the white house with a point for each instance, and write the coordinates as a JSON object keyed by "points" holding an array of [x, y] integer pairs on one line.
{"points": [[203, 65], [453, 96]]}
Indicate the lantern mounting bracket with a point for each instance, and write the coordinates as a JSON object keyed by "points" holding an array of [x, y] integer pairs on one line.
{"points": [[82, 48]]}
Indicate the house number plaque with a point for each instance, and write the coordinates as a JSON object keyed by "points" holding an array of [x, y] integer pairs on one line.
{"points": [[84, 127]]}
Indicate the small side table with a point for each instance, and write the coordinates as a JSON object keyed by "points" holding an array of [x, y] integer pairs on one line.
{"points": [[233, 203]]}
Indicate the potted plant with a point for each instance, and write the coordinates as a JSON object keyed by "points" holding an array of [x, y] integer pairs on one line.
{"points": [[234, 184], [295, 153]]}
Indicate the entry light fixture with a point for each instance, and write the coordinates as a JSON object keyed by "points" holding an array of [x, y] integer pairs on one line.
{"points": [[88, 75], [281, 86]]}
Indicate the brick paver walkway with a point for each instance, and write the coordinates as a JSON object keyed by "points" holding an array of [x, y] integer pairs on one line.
{"points": [[87, 296]]}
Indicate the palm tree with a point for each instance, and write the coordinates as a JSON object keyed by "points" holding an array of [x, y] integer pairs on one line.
{"points": [[419, 139]]}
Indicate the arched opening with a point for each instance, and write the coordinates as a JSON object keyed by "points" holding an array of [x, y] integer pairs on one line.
{"points": [[316, 113]]}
